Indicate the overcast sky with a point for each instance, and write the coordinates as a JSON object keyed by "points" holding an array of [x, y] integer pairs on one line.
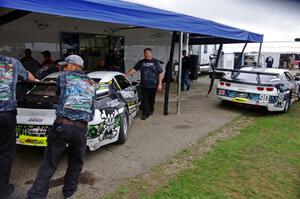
{"points": [[278, 20]]}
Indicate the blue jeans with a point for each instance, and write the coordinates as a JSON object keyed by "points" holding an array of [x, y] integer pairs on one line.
{"points": [[185, 81]]}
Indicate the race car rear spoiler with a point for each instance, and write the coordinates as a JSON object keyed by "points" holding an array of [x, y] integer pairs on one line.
{"points": [[219, 73]]}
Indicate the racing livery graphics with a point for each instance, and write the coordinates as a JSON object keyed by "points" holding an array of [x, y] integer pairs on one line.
{"points": [[6, 78], [275, 89], [75, 88], [116, 104]]}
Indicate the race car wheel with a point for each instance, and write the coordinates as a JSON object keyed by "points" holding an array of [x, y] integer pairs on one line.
{"points": [[287, 104], [123, 134]]}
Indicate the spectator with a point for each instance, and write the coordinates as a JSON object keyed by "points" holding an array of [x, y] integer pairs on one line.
{"points": [[110, 61], [71, 51], [185, 82], [269, 61], [29, 63], [52, 69], [48, 61]]}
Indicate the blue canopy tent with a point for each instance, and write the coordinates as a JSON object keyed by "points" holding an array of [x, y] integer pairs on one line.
{"points": [[120, 12]]}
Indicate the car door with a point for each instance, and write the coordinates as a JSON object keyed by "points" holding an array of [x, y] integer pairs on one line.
{"points": [[291, 84], [127, 90]]}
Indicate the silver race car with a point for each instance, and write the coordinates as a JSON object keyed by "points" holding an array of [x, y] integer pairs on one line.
{"points": [[275, 89], [117, 102]]}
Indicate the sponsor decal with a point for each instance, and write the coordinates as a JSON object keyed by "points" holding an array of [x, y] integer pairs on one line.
{"points": [[221, 92], [32, 141], [109, 129], [34, 119], [240, 100]]}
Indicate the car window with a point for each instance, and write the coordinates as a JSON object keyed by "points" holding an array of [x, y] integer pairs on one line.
{"points": [[288, 76], [122, 81]]}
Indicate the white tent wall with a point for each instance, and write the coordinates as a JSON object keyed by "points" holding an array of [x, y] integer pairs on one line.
{"points": [[25, 33]]}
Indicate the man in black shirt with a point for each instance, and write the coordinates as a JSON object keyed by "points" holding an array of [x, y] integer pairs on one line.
{"points": [[269, 61], [151, 81], [185, 82], [29, 63]]}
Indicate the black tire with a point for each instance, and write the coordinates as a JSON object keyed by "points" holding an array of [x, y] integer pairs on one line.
{"points": [[123, 134], [287, 104]]}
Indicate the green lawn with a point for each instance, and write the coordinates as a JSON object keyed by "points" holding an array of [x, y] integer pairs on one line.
{"points": [[263, 161]]}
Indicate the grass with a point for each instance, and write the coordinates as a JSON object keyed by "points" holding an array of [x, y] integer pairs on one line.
{"points": [[262, 161]]}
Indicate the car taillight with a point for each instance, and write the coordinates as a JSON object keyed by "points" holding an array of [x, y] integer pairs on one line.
{"points": [[222, 83], [270, 89], [260, 88], [228, 84]]}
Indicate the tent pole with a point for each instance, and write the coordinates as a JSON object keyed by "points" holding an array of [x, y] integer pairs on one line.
{"points": [[259, 53], [179, 73], [168, 73], [240, 57]]}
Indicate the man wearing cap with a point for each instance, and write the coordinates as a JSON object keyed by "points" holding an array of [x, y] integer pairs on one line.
{"points": [[75, 109], [47, 58], [10, 70]]}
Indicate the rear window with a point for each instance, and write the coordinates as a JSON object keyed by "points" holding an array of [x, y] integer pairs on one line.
{"points": [[50, 90], [45, 90], [245, 77]]}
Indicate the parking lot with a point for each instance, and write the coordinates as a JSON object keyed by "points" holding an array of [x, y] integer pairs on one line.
{"points": [[150, 142]]}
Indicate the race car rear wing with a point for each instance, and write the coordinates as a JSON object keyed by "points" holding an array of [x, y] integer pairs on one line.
{"points": [[219, 73]]}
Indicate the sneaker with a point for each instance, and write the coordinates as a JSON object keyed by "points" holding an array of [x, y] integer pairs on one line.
{"points": [[10, 189], [144, 117], [188, 87]]}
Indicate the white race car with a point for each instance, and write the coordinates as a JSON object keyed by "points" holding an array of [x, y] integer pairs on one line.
{"points": [[117, 102], [275, 89]]}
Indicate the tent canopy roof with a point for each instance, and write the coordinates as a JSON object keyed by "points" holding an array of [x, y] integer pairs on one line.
{"points": [[120, 12]]}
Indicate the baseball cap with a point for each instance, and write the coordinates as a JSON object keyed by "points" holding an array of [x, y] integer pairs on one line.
{"points": [[73, 59], [47, 53]]}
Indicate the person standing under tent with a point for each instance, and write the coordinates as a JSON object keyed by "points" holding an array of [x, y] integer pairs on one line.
{"points": [[151, 81], [10, 70], [186, 67], [75, 109]]}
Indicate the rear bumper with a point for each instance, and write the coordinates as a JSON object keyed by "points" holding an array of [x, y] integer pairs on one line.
{"points": [[269, 106]]}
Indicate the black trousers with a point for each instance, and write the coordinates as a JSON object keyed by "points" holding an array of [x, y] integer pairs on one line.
{"points": [[148, 100], [7, 145], [59, 137]]}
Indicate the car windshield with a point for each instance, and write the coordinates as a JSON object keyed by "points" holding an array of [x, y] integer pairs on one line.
{"points": [[245, 77], [49, 90]]}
